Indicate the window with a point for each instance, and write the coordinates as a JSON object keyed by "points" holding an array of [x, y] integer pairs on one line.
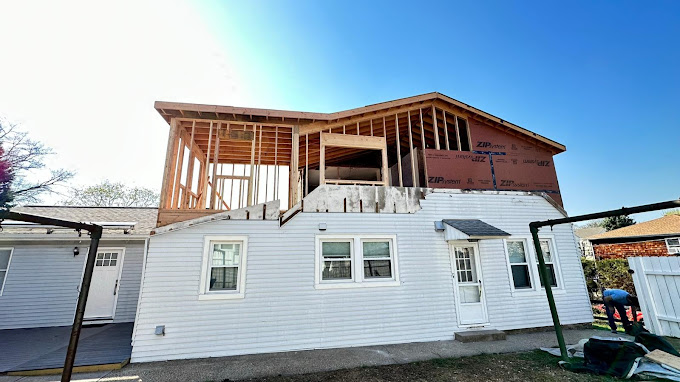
{"points": [[106, 259], [519, 264], [5, 257], [673, 245], [348, 261], [224, 263], [523, 263], [377, 257], [546, 248], [337, 260]]}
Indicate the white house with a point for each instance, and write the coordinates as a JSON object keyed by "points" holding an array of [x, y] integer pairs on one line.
{"points": [[41, 267], [403, 221]]}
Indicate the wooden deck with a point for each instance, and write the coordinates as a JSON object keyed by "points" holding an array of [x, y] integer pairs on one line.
{"points": [[45, 348]]}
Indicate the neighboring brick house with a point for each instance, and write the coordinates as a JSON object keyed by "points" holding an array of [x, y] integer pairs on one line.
{"points": [[658, 237]]}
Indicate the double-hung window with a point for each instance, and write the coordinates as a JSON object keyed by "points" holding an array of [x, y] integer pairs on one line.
{"points": [[546, 248], [5, 257], [673, 245], [377, 255], [224, 262], [519, 264], [337, 260], [524, 266], [355, 261]]}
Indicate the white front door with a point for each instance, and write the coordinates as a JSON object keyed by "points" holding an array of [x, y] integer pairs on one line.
{"points": [[469, 293], [101, 301]]}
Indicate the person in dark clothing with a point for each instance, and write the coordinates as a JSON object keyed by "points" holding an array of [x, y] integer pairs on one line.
{"points": [[618, 299]]}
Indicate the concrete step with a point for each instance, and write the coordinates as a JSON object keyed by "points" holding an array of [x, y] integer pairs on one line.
{"points": [[480, 335]]}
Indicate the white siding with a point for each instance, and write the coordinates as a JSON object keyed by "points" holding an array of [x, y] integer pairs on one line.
{"points": [[42, 285], [283, 311]]}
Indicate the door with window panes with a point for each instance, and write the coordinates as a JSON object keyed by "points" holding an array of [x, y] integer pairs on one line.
{"points": [[467, 275], [101, 301]]}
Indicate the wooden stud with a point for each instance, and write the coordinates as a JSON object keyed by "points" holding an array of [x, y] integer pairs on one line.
{"points": [[422, 130], [371, 127], [396, 129], [203, 197], [446, 130], [276, 164], [231, 193], [436, 130], [306, 164], [322, 160], [190, 169], [259, 161], [168, 173], [252, 168], [410, 146], [216, 155], [178, 174], [422, 135], [384, 129], [294, 168], [455, 118], [358, 129]]}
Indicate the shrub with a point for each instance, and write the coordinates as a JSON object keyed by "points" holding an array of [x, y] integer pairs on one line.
{"points": [[613, 274]]}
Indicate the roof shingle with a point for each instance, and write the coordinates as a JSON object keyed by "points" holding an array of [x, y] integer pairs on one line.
{"points": [[667, 225]]}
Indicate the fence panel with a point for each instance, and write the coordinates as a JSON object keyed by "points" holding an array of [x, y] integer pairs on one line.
{"points": [[657, 283]]}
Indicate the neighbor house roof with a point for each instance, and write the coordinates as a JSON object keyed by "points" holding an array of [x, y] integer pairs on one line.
{"points": [[143, 219], [586, 233], [665, 226], [313, 122]]}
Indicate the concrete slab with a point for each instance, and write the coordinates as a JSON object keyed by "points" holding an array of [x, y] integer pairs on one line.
{"points": [[302, 362], [480, 335]]}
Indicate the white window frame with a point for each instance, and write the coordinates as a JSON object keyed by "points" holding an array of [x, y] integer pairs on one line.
{"points": [[357, 262], [204, 289], [9, 263], [676, 250], [528, 255], [532, 262]]}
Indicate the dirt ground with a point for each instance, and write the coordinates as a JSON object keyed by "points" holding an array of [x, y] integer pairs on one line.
{"points": [[531, 366]]}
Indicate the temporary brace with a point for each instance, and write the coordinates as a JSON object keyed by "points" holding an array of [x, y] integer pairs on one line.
{"points": [[543, 271], [95, 234]]}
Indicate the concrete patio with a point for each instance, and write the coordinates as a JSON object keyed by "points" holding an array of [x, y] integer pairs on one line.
{"points": [[260, 365], [45, 348]]}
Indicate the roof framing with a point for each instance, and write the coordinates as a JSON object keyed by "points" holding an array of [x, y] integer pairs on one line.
{"points": [[311, 123]]}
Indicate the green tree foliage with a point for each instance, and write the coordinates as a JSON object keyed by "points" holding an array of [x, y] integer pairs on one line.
{"points": [[672, 212], [591, 224], [26, 158], [109, 194], [615, 222], [607, 274]]}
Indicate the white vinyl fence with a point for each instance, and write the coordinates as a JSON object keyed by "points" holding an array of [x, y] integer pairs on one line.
{"points": [[657, 283]]}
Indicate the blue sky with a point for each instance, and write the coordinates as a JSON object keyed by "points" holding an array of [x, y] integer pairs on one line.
{"points": [[600, 77]]}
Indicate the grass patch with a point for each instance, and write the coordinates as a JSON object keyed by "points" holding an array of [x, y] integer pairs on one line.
{"points": [[530, 366]]}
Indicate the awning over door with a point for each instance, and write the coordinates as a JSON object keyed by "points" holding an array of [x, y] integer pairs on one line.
{"points": [[471, 229]]}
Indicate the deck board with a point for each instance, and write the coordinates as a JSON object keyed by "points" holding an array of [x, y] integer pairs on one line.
{"points": [[45, 348]]}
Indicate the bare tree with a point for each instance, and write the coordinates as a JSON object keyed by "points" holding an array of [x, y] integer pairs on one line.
{"points": [[26, 159], [108, 194]]}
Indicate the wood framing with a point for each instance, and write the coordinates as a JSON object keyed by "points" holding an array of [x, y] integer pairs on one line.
{"points": [[206, 141]]}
